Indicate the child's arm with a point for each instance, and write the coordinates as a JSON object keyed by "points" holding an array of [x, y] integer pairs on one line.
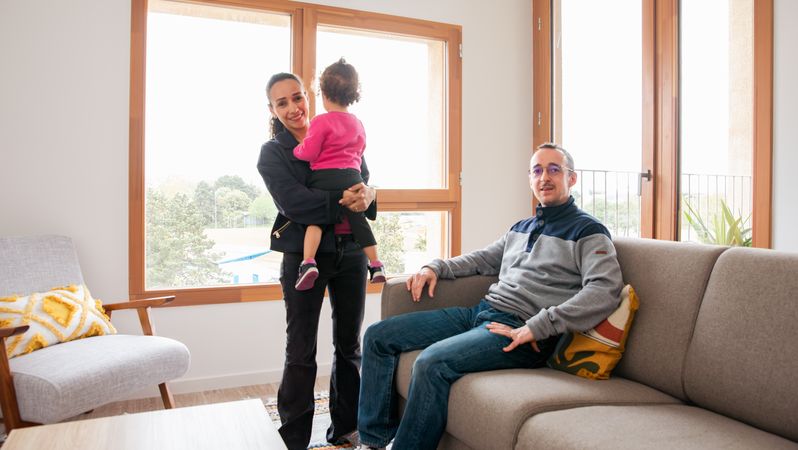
{"points": [[310, 148]]}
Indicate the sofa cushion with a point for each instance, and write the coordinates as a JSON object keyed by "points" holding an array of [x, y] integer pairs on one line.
{"points": [[64, 380], [743, 358], [486, 409], [670, 277], [642, 427]]}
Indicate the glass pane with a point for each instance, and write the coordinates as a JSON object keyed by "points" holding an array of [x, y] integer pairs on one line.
{"points": [[716, 121], [402, 103], [598, 105], [208, 214], [408, 240]]}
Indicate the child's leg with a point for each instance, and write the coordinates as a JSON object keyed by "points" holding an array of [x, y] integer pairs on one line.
{"points": [[371, 253], [365, 237], [312, 241], [376, 270], [308, 272]]}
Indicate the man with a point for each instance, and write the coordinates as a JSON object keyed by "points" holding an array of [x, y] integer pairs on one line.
{"points": [[558, 272]]}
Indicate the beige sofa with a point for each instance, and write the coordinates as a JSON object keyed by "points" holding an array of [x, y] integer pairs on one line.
{"points": [[711, 361]]}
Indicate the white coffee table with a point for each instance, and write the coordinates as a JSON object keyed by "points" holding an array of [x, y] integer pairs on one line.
{"points": [[233, 425]]}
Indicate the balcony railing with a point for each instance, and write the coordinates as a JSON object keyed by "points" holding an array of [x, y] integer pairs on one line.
{"points": [[704, 193], [613, 197]]}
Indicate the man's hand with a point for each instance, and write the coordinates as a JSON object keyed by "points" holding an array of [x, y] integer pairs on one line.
{"points": [[416, 282], [358, 197], [519, 336]]}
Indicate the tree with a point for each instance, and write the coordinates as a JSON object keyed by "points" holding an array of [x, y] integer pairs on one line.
{"points": [[204, 202], [263, 210], [231, 206], [178, 254], [236, 183], [390, 241]]}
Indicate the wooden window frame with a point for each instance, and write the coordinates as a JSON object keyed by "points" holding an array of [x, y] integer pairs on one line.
{"points": [[659, 219], [305, 18]]}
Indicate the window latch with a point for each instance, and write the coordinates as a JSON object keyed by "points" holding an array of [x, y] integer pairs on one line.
{"points": [[647, 175]]}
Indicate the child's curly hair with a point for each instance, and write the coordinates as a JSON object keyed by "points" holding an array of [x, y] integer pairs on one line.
{"points": [[339, 83]]}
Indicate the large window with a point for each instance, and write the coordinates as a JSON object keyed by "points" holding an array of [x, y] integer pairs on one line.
{"points": [[716, 126], [597, 106], [668, 115], [200, 215]]}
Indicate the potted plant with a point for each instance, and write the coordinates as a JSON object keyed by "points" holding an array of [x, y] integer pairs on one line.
{"points": [[723, 229]]}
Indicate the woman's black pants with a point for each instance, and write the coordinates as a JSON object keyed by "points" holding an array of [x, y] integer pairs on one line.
{"points": [[344, 274]]}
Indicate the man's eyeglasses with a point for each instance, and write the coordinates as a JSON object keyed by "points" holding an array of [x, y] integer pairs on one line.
{"points": [[554, 170]]}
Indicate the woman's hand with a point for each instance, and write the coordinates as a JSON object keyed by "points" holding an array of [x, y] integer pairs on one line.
{"points": [[358, 197]]}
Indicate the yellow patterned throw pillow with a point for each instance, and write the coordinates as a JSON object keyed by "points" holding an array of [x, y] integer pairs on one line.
{"points": [[59, 315], [594, 353]]}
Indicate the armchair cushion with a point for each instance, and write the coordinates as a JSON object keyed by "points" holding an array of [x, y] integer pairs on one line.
{"points": [[60, 315], [65, 380], [61, 381]]}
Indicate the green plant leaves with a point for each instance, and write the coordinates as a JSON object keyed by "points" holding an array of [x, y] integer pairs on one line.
{"points": [[723, 229]]}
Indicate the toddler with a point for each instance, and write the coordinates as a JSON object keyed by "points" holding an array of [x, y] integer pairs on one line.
{"points": [[334, 147]]}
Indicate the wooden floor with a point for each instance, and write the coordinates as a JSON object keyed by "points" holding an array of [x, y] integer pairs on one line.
{"points": [[193, 399]]}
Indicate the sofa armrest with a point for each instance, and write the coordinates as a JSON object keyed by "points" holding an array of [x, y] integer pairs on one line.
{"points": [[466, 291]]}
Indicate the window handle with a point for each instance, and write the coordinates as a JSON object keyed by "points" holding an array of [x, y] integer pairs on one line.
{"points": [[647, 175]]}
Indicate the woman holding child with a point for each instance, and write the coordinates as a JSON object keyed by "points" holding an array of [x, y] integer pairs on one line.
{"points": [[340, 264]]}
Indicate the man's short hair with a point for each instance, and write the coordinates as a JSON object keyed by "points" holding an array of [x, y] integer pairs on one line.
{"points": [[569, 160]]}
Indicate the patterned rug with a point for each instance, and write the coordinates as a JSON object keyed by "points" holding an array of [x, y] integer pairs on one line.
{"points": [[321, 421]]}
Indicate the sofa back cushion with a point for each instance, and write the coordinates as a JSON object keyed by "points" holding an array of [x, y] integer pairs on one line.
{"points": [[670, 278], [742, 361]]}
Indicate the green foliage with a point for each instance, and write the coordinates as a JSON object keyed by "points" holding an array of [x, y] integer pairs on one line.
{"points": [[390, 241], [263, 210], [421, 243], [226, 202], [178, 254], [236, 183], [231, 206], [722, 229], [621, 218], [204, 201]]}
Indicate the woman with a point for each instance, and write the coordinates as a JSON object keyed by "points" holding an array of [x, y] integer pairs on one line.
{"points": [[342, 267]]}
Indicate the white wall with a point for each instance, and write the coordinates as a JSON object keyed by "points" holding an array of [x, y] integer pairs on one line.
{"points": [[785, 132], [64, 86]]}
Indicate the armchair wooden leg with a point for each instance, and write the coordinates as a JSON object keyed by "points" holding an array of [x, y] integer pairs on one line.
{"points": [[8, 395], [166, 395]]}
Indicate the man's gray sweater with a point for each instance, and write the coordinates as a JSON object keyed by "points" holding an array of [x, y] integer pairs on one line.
{"points": [[558, 271]]}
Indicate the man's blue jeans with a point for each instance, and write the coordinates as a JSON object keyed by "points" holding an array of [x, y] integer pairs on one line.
{"points": [[456, 342]]}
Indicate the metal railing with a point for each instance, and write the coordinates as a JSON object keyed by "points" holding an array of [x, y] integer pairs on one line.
{"points": [[705, 192], [613, 197]]}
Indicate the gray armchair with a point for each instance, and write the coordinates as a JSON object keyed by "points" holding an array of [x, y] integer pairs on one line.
{"points": [[67, 379]]}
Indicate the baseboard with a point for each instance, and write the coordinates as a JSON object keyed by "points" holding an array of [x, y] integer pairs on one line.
{"points": [[200, 384]]}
